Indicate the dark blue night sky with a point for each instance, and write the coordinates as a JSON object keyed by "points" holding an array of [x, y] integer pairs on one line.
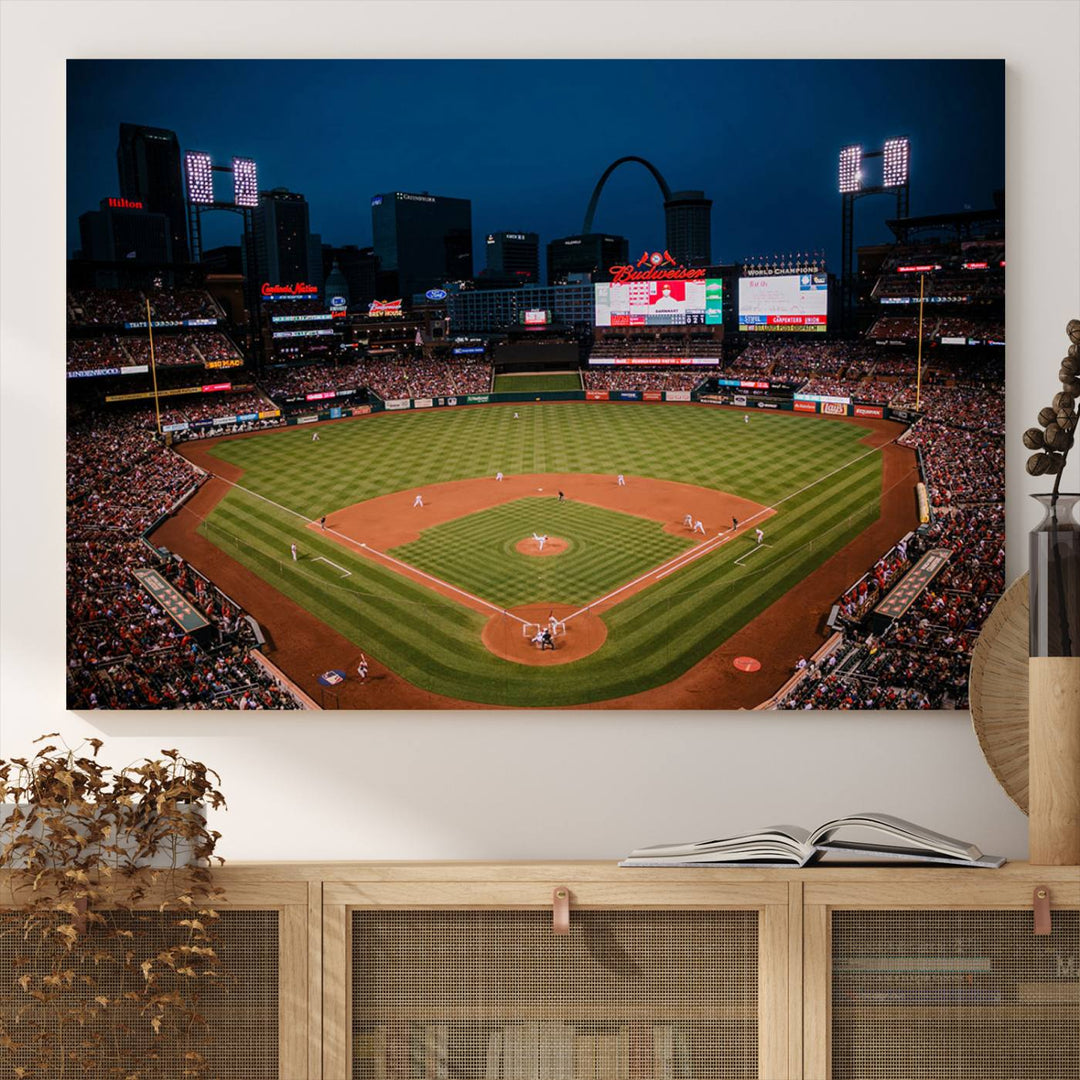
{"points": [[527, 140]]}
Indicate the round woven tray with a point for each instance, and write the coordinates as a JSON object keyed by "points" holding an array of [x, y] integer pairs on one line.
{"points": [[998, 691]]}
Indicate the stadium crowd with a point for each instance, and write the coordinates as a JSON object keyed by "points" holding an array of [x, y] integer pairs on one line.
{"points": [[922, 659], [212, 406], [124, 651], [394, 378], [282, 382], [112, 306], [629, 377], [170, 350]]}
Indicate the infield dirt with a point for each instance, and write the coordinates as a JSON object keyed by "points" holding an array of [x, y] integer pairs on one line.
{"points": [[303, 645]]}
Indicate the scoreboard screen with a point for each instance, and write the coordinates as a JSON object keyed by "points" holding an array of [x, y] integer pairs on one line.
{"points": [[660, 303], [787, 302], [535, 317]]}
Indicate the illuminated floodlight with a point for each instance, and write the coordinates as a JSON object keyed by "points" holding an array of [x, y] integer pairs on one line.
{"points": [[850, 169], [897, 153], [245, 182], [200, 177]]}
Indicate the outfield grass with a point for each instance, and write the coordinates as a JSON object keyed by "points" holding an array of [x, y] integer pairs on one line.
{"points": [[653, 636], [531, 384], [477, 552]]}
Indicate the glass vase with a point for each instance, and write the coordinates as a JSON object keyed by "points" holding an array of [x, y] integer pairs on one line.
{"points": [[1054, 571]]}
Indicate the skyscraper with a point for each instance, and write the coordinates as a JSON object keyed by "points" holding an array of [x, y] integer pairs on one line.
{"points": [[514, 256], [688, 216], [426, 239], [360, 267], [148, 161], [283, 240], [115, 232], [585, 254]]}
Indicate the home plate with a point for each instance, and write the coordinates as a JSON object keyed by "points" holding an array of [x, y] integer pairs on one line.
{"points": [[747, 663]]}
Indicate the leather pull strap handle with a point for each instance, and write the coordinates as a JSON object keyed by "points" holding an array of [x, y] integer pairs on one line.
{"points": [[560, 911], [1040, 902]]}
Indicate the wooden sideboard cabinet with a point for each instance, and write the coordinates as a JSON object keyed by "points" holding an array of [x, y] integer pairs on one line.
{"points": [[424, 971]]}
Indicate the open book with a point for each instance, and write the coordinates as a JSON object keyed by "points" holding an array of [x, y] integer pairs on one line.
{"points": [[864, 837]]}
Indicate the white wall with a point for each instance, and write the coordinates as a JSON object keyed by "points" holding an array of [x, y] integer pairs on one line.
{"points": [[483, 785]]}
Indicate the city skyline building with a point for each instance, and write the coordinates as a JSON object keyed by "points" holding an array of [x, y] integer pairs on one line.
{"points": [[360, 267], [590, 253], [688, 221], [425, 239], [286, 251], [148, 164], [116, 232], [514, 256], [485, 311]]}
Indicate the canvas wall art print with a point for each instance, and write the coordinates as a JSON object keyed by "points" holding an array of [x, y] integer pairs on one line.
{"points": [[533, 384]]}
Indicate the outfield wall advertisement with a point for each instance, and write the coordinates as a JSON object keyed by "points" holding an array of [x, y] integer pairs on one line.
{"points": [[787, 302]]}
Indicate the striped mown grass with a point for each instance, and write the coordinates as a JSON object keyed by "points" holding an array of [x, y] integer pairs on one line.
{"points": [[653, 636], [478, 552], [531, 384]]}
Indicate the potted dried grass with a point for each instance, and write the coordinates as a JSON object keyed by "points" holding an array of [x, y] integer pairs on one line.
{"points": [[107, 915]]}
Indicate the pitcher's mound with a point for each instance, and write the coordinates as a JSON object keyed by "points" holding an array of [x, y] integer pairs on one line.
{"points": [[553, 545], [508, 638]]}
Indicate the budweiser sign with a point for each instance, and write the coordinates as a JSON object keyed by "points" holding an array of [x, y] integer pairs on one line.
{"points": [[384, 307], [657, 266]]}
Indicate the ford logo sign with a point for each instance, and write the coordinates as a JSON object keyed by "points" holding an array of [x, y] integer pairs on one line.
{"points": [[436, 294]]}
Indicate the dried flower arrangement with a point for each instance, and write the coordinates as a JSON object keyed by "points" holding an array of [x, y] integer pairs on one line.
{"points": [[106, 915], [1054, 438]]}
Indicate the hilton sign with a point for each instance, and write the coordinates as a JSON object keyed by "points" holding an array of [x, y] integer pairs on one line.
{"points": [[659, 266]]}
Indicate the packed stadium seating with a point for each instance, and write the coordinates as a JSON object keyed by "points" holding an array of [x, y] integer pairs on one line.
{"points": [[211, 406], [421, 378], [112, 306], [631, 377], [196, 347], [123, 650], [644, 345], [282, 382], [922, 659]]}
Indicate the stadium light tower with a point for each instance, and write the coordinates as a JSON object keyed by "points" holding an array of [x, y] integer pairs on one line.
{"points": [[850, 169], [895, 177], [201, 198]]}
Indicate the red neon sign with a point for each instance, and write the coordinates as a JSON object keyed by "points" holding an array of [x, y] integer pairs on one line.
{"points": [[125, 204], [300, 288], [975, 266], [916, 269]]}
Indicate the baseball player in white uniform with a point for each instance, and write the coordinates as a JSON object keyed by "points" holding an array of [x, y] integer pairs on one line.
{"points": [[292, 548], [314, 436], [418, 501], [498, 476], [699, 528], [760, 535], [746, 418], [621, 480], [688, 521]]}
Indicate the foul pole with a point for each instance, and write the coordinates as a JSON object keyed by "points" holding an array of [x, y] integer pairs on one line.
{"points": [[918, 366], [153, 367]]}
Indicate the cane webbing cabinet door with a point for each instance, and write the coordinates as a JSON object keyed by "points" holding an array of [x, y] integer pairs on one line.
{"points": [[432, 974], [938, 975], [255, 1010]]}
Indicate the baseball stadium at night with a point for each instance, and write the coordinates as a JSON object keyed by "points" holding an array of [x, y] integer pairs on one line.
{"points": [[586, 440]]}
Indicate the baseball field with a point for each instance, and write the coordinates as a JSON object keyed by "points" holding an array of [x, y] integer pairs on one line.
{"points": [[446, 598]]}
